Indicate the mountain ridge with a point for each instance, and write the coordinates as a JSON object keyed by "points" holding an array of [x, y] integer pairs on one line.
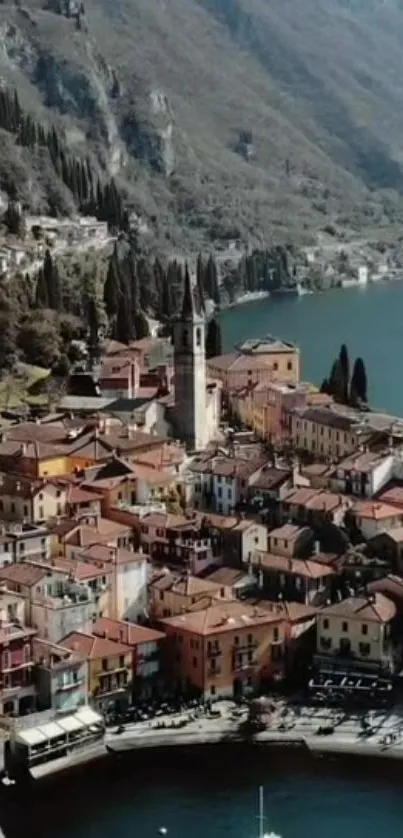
{"points": [[158, 95]]}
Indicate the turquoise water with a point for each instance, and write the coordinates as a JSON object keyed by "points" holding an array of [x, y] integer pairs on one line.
{"points": [[210, 800], [369, 320]]}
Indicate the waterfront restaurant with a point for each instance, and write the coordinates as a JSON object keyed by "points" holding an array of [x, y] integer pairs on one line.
{"points": [[32, 746]]}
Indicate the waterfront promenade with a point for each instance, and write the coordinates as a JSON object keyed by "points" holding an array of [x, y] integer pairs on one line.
{"points": [[290, 727], [298, 726]]}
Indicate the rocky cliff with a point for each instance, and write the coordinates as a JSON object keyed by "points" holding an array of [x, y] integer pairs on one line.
{"points": [[161, 95]]}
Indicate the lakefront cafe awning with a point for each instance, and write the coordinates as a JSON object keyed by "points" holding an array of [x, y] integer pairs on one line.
{"points": [[45, 741], [343, 682]]}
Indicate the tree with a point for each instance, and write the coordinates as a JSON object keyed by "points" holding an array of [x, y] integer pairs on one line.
{"points": [[211, 280], [336, 382], [41, 292], [141, 325], [111, 289], [345, 368], [39, 339], [213, 339], [359, 383]]}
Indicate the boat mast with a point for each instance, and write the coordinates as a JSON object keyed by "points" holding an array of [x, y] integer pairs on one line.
{"points": [[261, 813]]}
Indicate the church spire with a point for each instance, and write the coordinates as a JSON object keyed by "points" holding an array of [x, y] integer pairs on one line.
{"points": [[188, 303]]}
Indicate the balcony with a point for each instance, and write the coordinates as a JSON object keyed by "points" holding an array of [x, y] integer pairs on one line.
{"points": [[17, 666], [245, 645], [213, 652], [69, 685]]}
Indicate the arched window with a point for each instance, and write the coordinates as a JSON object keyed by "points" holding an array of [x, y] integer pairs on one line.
{"points": [[198, 336], [185, 339]]}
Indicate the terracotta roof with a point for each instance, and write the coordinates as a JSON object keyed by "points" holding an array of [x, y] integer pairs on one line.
{"points": [[298, 567], [25, 487], [92, 647], [22, 573], [391, 586], [77, 495], [299, 497], [363, 462], [221, 617], [374, 510], [269, 478], [393, 496], [125, 632], [325, 501], [227, 576], [102, 553], [375, 607], [52, 655], [294, 611], [84, 535], [185, 584], [81, 571], [289, 532]]}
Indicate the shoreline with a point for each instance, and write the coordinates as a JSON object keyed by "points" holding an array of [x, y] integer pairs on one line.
{"points": [[132, 742], [346, 285]]}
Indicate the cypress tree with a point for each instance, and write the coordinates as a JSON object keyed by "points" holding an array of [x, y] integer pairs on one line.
{"points": [[41, 292], [213, 339], [212, 280], [336, 382], [200, 281], [345, 368], [111, 289], [359, 383]]}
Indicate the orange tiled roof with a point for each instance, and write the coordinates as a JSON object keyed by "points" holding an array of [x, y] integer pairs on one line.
{"points": [[92, 647]]}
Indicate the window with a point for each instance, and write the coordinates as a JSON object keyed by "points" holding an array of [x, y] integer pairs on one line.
{"points": [[275, 365], [121, 661], [41, 513], [198, 337], [275, 542], [22, 547], [194, 663], [289, 365], [325, 623], [276, 633], [213, 664], [236, 640], [58, 493], [105, 664], [250, 657], [161, 596], [26, 510], [344, 626], [219, 492], [1, 506], [41, 496], [365, 649], [212, 689], [12, 508], [364, 628], [250, 638], [58, 509], [6, 659]]}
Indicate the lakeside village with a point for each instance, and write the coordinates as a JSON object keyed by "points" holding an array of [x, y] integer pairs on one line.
{"points": [[153, 558]]}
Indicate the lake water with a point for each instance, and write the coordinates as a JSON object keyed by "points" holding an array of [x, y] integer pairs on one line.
{"points": [[369, 320], [216, 796]]}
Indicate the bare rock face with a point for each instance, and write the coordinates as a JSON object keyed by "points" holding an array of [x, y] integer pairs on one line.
{"points": [[148, 130]]}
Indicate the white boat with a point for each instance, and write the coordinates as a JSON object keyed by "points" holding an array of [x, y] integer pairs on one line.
{"points": [[262, 833]]}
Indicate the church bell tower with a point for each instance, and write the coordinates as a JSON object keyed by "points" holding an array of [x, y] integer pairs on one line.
{"points": [[190, 372]]}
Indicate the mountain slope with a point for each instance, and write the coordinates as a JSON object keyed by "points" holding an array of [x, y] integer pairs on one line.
{"points": [[161, 94]]}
